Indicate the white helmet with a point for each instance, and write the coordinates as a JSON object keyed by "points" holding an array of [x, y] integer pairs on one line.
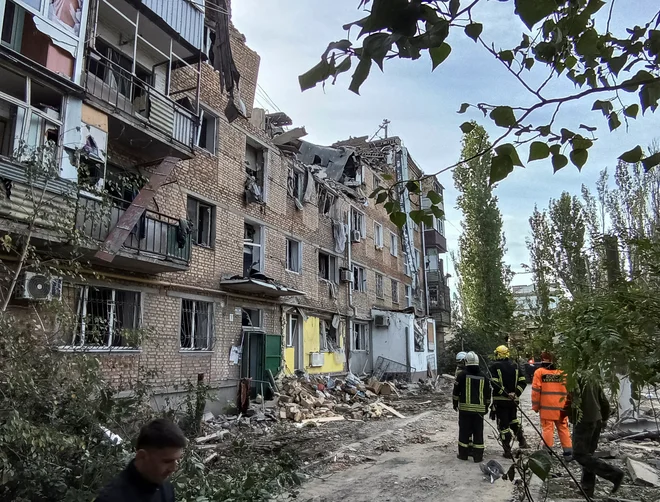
{"points": [[460, 357], [471, 359]]}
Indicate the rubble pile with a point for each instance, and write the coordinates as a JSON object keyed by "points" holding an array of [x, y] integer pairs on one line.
{"points": [[316, 398]]}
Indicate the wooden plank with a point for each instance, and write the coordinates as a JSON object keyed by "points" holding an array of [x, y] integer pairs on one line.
{"points": [[132, 215], [322, 420], [391, 410]]}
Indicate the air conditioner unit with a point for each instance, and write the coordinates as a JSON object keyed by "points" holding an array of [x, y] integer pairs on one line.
{"points": [[345, 275], [316, 359], [38, 287], [356, 236], [381, 321]]}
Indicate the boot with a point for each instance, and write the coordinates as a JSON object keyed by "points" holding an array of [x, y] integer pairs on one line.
{"points": [[522, 442], [506, 444]]}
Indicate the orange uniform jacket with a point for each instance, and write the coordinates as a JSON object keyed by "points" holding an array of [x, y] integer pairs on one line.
{"points": [[548, 393]]}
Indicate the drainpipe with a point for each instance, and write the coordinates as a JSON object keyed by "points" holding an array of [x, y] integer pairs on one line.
{"points": [[351, 317], [426, 284]]}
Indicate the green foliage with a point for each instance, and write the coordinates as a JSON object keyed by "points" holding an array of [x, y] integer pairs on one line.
{"points": [[564, 42], [540, 463], [482, 276]]}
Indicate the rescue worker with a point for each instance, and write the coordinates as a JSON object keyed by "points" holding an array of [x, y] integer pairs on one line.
{"points": [[548, 399], [471, 397], [508, 384], [588, 418], [460, 362], [160, 446]]}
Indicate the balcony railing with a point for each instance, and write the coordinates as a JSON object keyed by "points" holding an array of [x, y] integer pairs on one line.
{"points": [[433, 238], [156, 236], [128, 94]]}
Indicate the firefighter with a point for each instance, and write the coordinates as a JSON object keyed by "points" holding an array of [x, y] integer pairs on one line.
{"points": [[508, 384], [460, 363], [471, 397], [548, 400]]}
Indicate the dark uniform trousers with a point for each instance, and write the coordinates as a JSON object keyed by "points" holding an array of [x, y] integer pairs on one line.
{"points": [[585, 442], [471, 435], [508, 422]]}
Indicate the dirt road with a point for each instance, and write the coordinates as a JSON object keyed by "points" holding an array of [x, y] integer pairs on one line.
{"points": [[414, 459]]}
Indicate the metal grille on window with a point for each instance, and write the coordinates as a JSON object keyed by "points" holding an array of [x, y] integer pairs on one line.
{"points": [[196, 325], [104, 317], [379, 286]]}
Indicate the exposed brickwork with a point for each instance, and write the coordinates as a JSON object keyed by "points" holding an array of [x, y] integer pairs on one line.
{"points": [[219, 179]]}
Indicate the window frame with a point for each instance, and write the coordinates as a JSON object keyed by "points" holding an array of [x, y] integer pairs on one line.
{"points": [[394, 284], [80, 326], [199, 203], [289, 329], [260, 314], [298, 255], [28, 111], [263, 176], [394, 244], [408, 295], [210, 306], [261, 245], [360, 330], [332, 267], [380, 291], [378, 235], [360, 218], [204, 113], [361, 287]]}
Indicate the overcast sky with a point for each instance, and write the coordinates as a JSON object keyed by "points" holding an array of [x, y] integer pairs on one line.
{"points": [[290, 35]]}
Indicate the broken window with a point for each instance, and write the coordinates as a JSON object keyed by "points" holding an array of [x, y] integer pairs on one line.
{"points": [[255, 165], [328, 336], [251, 318], [380, 293], [209, 40], [360, 337], [395, 291], [433, 295], [358, 222], [325, 200], [359, 279], [31, 121], [328, 267], [202, 217], [408, 296], [293, 255], [293, 330], [394, 244], [196, 325], [378, 235], [376, 181], [297, 188], [208, 131], [106, 318], [252, 248]]}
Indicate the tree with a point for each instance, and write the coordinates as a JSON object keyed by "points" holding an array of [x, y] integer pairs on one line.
{"points": [[483, 278], [568, 40]]}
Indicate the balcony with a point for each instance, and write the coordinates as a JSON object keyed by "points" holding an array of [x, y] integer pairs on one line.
{"points": [[433, 238], [154, 245], [154, 120]]}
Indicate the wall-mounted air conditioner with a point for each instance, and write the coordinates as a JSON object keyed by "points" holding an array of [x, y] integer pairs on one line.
{"points": [[345, 275], [381, 321], [316, 359], [356, 236], [38, 287]]}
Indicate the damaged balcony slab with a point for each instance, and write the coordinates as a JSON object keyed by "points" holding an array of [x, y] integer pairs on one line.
{"points": [[251, 285]]}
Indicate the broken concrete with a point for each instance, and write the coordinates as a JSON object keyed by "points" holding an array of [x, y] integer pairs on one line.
{"points": [[643, 474]]}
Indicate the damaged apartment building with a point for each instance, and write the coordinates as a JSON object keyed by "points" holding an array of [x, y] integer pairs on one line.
{"points": [[233, 245]]}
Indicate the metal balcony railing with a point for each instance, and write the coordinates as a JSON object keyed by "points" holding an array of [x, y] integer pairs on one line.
{"points": [[156, 235], [130, 95], [387, 369]]}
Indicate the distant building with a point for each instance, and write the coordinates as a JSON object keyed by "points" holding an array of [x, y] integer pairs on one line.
{"points": [[527, 308]]}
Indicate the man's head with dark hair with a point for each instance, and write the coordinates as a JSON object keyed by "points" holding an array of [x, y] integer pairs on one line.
{"points": [[159, 447]]}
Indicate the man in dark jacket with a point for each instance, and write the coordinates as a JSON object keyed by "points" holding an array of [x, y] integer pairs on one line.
{"points": [[159, 446], [588, 418], [508, 384], [471, 397]]}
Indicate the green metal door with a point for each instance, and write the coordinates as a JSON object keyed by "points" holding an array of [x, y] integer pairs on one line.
{"points": [[273, 354]]}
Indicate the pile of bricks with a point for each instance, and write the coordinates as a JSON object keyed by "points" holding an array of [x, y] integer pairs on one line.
{"points": [[324, 399]]}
